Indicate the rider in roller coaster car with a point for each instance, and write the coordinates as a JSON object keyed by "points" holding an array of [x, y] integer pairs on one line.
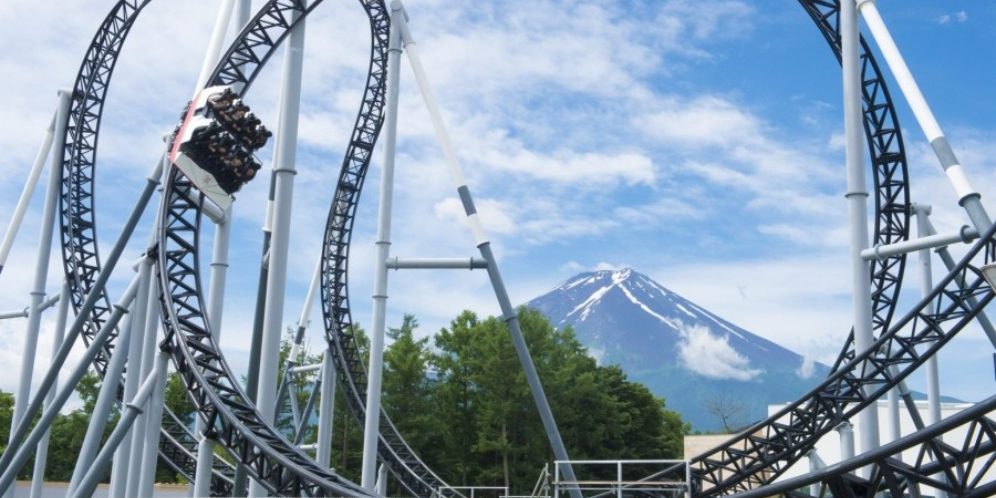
{"points": [[225, 146]]}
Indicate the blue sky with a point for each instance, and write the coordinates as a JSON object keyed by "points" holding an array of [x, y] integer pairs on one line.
{"points": [[698, 142]]}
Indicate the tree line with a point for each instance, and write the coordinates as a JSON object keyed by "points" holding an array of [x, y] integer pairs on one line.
{"points": [[461, 401]]}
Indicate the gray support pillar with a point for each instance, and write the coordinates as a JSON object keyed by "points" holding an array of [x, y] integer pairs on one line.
{"points": [[326, 412], [381, 487], [243, 10], [508, 311], [256, 345], [149, 347], [41, 457], [846, 433], [857, 197], [131, 410], [926, 285], [147, 475], [29, 187], [82, 317], [136, 332], [967, 196], [17, 453], [371, 429], [41, 271], [106, 399], [216, 301], [893, 403], [285, 149], [815, 463]]}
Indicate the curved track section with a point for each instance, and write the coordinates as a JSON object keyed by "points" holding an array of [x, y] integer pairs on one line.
{"points": [[268, 455], [763, 452], [392, 449], [888, 161], [78, 228], [952, 456]]}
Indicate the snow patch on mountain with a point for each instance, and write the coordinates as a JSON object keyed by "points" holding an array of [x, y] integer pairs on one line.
{"points": [[712, 356], [644, 307]]}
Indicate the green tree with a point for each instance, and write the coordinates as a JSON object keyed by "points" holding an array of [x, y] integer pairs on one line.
{"points": [[454, 398], [406, 384], [6, 417]]}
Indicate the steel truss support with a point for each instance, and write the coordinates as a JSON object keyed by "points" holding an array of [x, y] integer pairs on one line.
{"points": [[20, 447], [40, 280], [41, 456], [962, 465], [399, 18]]}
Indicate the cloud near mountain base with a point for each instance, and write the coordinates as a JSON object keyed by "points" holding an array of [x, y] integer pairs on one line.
{"points": [[712, 356]]}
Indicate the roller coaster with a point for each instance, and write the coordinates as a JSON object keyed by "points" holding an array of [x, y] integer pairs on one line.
{"points": [[199, 174]]}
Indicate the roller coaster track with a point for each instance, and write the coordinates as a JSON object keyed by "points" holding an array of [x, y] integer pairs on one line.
{"points": [[238, 426], [82, 263], [746, 462], [958, 469], [764, 451], [78, 226]]}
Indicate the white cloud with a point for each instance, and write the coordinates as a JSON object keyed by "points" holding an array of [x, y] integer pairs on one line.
{"points": [[807, 368], [712, 356], [959, 17]]}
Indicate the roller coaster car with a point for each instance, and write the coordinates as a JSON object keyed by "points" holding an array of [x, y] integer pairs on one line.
{"points": [[214, 145]]}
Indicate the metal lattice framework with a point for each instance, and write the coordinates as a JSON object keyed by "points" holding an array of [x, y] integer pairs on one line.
{"points": [[957, 466], [761, 453], [81, 258], [239, 67], [748, 461], [269, 457]]}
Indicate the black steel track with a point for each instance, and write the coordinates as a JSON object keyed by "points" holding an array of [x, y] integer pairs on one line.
{"points": [[270, 457], [392, 449], [746, 462], [80, 252], [78, 228], [761, 453], [956, 464]]}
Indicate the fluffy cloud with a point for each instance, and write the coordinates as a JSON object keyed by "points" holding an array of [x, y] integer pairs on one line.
{"points": [[712, 356]]}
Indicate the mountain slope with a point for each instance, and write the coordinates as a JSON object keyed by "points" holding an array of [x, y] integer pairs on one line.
{"points": [[715, 373]]}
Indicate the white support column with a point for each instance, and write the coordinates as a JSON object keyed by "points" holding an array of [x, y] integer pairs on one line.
{"points": [[893, 403], [147, 473], [381, 487], [484, 246], [41, 269], [967, 196], [923, 228], [815, 463], [371, 430], [326, 412], [29, 188], [857, 197], [136, 371], [149, 348], [285, 149], [41, 456], [846, 433]]}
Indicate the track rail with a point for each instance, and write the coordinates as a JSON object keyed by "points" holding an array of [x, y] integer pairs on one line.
{"points": [[268, 456], [81, 259], [953, 456], [762, 452], [78, 228], [392, 449]]}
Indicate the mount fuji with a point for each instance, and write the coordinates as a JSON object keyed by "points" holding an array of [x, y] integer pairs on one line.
{"points": [[716, 374]]}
